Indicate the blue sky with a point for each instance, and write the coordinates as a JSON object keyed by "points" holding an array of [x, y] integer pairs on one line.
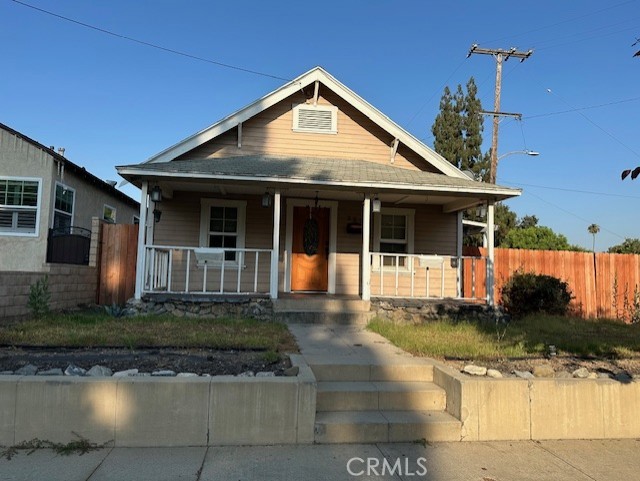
{"points": [[110, 101]]}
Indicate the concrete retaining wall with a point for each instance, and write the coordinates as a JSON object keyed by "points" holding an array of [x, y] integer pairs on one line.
{"points": [[145, 411], [519, 409]]}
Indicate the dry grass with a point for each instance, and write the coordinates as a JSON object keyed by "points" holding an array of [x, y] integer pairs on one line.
{"points": [[97, 329], [528, 337]]}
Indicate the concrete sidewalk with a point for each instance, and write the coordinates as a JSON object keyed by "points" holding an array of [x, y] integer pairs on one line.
{"points": [[481, 461]]}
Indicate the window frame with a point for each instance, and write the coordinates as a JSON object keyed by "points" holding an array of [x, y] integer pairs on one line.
{"points": [[409, 215], [115, 211], [326, 108], [205, 218], [38, 207], [73, 203]]}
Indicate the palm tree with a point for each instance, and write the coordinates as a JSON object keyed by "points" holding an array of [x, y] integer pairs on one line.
{"points": [[593, 230]]}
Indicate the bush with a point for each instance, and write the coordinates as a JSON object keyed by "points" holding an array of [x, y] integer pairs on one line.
{"points": [[527, 293], [39, 297]]}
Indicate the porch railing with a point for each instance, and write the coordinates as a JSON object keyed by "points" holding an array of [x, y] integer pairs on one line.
{"points": [[194, 270], [420, 276]]}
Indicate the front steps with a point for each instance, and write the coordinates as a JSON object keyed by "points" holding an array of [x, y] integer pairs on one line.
{"points": [[365, 402], [322, 310]]}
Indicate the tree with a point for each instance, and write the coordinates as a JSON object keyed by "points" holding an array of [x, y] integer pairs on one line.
{"points": [[505, 219], [593, 229], [536, 237], [458, 127], [527, 221], [629, 246]]}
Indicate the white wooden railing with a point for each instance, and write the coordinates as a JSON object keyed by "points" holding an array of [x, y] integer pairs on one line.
{"points": [[194, 270], [421, 276]]}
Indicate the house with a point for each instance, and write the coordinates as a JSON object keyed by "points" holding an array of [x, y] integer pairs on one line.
{"points": [[46, 205], [309, 189]]}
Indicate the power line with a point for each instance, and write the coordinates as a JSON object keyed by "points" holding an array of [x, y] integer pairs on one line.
{"points": [[149, 44], [549, 114], [607, 194]]}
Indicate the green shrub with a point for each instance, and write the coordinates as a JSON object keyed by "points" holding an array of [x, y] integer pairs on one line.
{"points": [[39, 297], [527, 293]]}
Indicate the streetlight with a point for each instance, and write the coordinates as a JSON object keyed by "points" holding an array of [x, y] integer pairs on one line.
{"points": [[532, 153]]}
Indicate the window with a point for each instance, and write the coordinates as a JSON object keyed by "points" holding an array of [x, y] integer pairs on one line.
{"points": [[109, 214], [136, 220], [394, 234], [321, 119], [63, 206], [222, 225], [19, 206]]}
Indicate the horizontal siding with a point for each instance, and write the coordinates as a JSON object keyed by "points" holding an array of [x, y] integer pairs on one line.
{"points": [[270, 132], [348, 274]]}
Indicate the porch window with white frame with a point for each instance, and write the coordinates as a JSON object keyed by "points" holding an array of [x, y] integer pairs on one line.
{"points": [[222, 226], [20, 206], [63, 206], [393, 234]]}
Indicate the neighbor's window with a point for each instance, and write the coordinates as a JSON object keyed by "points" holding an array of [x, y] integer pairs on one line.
{"points": [[222, 225], [394, 235], [63, 206], [109, 214], [19, 206]]}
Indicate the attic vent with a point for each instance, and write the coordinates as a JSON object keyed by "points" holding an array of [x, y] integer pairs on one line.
{"points": [[319, 118]]}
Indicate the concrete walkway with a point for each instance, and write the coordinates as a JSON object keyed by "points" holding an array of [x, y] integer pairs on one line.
{"points": [[479, 461]]}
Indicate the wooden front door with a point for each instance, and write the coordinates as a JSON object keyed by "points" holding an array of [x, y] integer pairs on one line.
{"points": [[310, 256]]}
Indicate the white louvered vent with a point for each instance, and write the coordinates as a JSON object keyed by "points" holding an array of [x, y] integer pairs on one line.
{"points": [[318, 118]]}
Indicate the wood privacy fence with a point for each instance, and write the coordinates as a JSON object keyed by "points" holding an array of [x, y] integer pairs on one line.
{"points": [[602, 284], [117, 266]]}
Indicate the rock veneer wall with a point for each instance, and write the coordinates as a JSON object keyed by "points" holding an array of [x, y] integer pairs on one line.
{"points": [[260, 308], [418, 311]]}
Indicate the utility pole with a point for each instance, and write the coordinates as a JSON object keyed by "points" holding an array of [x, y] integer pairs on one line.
{"points": [[500, 55]]}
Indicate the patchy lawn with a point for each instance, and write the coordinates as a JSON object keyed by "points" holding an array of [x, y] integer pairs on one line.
{"points": [[96, 329]]}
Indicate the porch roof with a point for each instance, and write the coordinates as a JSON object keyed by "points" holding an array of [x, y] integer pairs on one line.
{"points": [[314, 172]]}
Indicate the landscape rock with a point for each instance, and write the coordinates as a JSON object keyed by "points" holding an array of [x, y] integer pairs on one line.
{"points": [[604, 375], [592, 375], [543, 370], [73, 370], [56, 371], [125, 373], [265, 374], [475, 370], [581, 373], [164, 373], [186, 374], [100, 371], [247, 374], [292, 371], [623, 377], [524, 374], [28, 370], [6, 373], [142, 374], [563, 375], [494, 373]]}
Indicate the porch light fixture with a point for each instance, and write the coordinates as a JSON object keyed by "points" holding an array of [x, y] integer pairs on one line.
{"points": [[157, 213], [266, 200], [376, 205], [156, 194]]}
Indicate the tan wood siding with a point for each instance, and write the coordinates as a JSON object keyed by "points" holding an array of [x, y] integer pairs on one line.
{"points": [[270, 132]]}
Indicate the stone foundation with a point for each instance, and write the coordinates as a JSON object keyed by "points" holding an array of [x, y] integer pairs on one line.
{"points": [[259, 308], [419, 311]]}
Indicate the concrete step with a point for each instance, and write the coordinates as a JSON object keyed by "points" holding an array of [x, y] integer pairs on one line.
{"points": [[350, 318], [320, 304], [385, 426], [419, 371], [385, 396]]}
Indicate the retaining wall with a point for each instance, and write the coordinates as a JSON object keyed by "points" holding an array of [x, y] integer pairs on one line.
{"points": [[146, 411], [520, 409]]}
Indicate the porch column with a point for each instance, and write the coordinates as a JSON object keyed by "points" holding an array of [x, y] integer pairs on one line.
{"points": [[491, 252], [142, 229], [276, 246], [459, 255], [366, 264]]}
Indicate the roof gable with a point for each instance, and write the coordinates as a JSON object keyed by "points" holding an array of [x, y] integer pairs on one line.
{"points": [[320, 75]]}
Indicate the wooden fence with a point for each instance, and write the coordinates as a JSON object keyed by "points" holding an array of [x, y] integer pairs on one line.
{"points": [[117, 266], [592, 278]]}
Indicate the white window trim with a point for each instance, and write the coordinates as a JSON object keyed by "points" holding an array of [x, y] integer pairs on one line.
{"points": [[73, 204], [410, 215], [134, 218], [115, 212], [327, 108], [205, 213], [38, 207]]}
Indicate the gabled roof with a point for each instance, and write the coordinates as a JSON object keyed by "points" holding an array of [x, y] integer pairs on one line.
{"points": [[322, 76], [76, 169]]}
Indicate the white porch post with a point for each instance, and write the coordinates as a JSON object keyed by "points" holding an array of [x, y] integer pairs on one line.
{"points": [[142, 229], [459, 255], [276, 246], [491, 252], [366, 264]]}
